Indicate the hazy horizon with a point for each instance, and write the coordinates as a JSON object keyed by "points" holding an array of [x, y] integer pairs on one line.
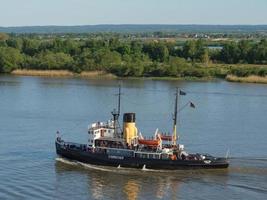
{"points": [[59, 25], [15, 13]]}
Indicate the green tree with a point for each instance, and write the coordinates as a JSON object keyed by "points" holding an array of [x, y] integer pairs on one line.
{"points": [[258, 53], [10, 59], [136, 46], [15, 43], [113, 43], [200, 49], [51, 60], [46, 46], [58, 45], [155, 69], [230, 53], [94, 44], [105, 58], [124, 49], [30, 46], [204, 56], [244, 46], [71, 47], [190, 50], [86, 61], [157, 51], [176, 65], [4, 36]]}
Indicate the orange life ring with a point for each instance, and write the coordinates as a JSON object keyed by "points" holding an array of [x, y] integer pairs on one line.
{"points": [[173, 157]]}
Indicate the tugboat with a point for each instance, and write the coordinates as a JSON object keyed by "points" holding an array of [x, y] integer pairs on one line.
{"points": [[111, 145]]}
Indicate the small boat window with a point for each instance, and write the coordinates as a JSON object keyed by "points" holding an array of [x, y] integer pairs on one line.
{"points": [[137, 155], [165, 156], [144, 155]]}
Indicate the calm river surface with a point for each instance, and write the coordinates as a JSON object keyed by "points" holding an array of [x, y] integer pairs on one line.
{"points": [[227, 116]]}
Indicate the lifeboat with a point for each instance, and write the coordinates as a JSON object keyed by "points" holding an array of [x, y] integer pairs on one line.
{"points": [[149, 142], [166, 137]]}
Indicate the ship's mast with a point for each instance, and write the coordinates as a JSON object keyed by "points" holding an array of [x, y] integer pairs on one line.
{"points": [[116, 114], [119, 101], [175, 118]]}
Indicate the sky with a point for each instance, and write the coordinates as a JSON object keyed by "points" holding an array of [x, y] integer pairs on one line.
{"points": [[91, 12]]}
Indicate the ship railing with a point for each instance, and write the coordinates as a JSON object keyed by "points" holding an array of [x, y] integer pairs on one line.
{"points": [[151, 155], [72, 145], [119, 149], [99, 126], [113, 151], [152, 151]]}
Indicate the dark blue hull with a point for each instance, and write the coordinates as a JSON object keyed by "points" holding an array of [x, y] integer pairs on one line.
{"points": [[133, 162]]}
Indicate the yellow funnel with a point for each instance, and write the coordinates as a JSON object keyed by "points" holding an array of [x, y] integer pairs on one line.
{"points": [[129, 128]]}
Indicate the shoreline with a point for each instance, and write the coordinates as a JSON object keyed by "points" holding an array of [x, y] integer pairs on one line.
{"points": [[105, 75], [99, 75], [248, 79], [48, 73], [62, 73]]}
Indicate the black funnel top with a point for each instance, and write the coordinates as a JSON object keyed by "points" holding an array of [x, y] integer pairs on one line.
{"points": [[129, 117]]}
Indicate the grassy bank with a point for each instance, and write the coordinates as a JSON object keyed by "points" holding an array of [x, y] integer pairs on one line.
{"points": [[96, 74], [62, 73], [249, 79], [51, 73], [92, 74], [187, 78], [233, 73]]}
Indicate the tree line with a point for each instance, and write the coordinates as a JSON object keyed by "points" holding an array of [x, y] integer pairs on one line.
{"points": [[126, 57]]}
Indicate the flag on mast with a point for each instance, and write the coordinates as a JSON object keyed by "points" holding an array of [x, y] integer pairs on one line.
{"points": [[182, 92], [192, 105]]}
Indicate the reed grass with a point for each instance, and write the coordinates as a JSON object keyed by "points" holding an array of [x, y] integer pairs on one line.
{"points": [[63, 73], [97, 74], [249, 79], [51, 73]]}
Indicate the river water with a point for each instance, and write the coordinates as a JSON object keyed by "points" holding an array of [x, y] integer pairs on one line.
{"points": [[228, 117]]}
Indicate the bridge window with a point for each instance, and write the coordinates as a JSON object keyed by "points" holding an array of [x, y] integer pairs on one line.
{"points": [[150, 156], [144, 155]]}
